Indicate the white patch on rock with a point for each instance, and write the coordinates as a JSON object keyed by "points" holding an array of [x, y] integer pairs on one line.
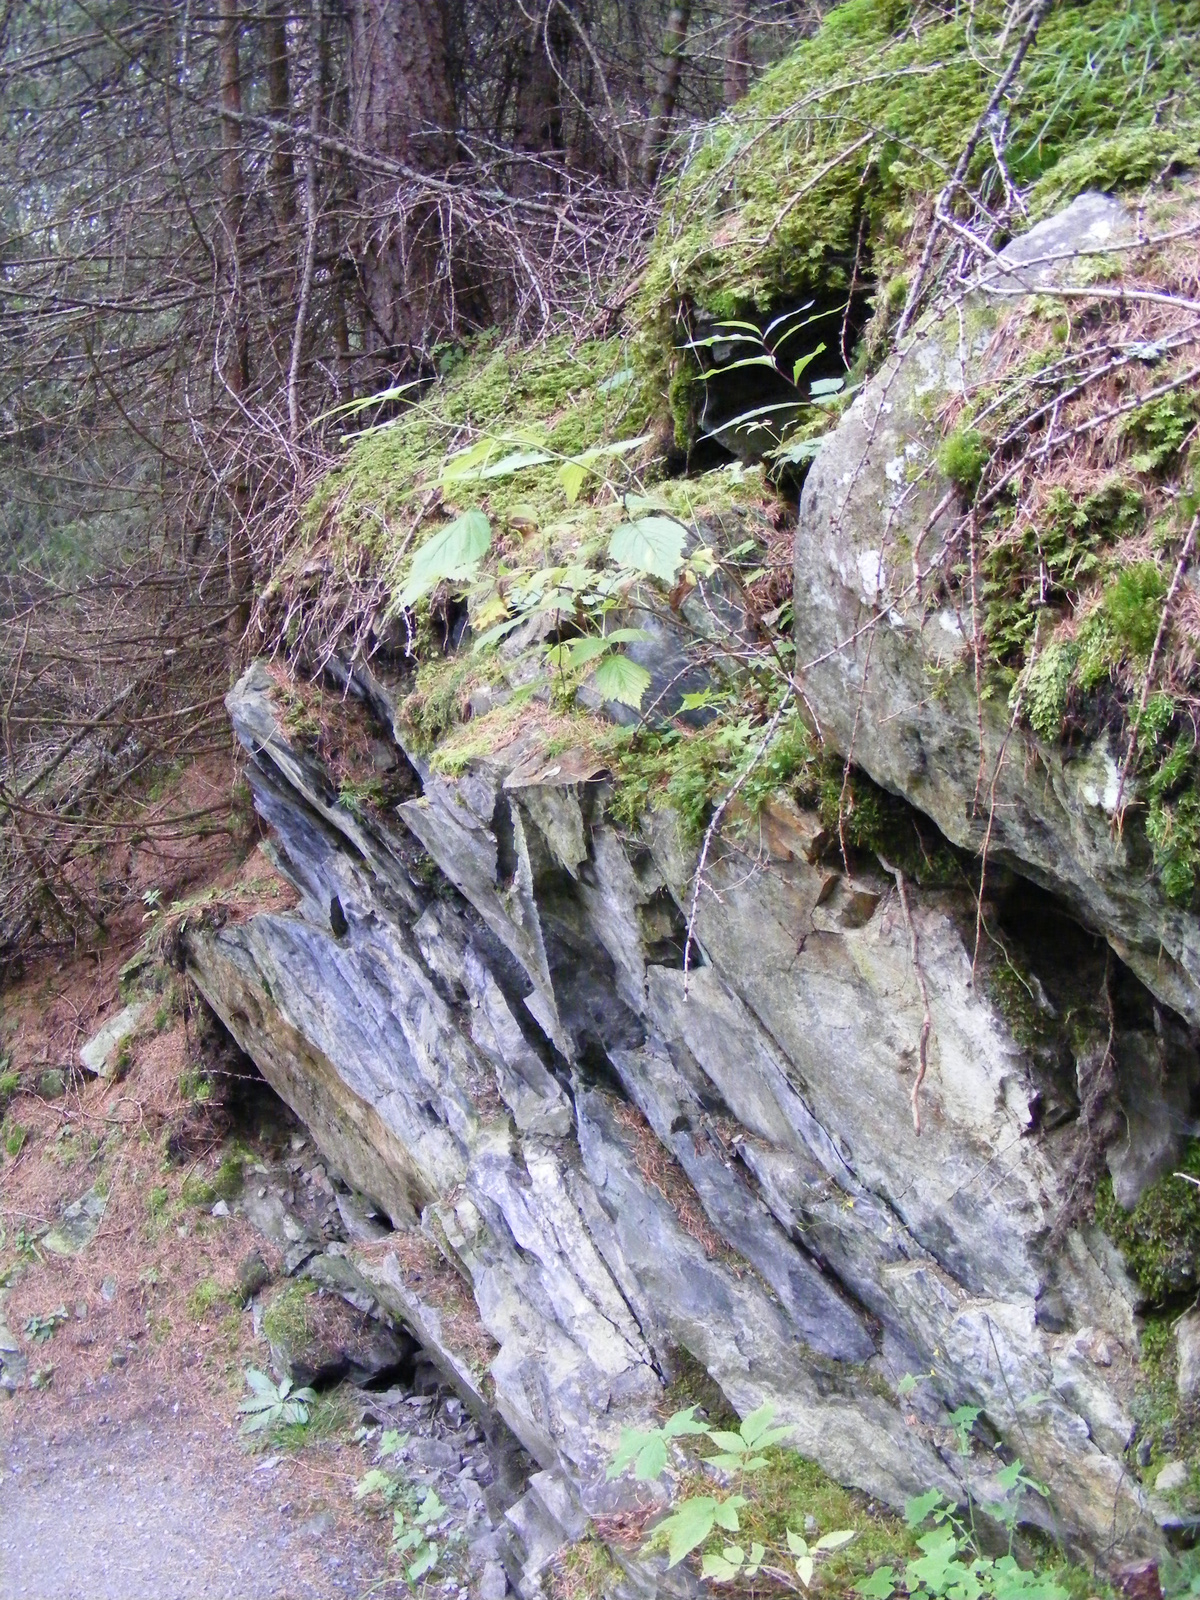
{"points": [[98, 1053], [1105, 799], [870, 568], [949, 623]]}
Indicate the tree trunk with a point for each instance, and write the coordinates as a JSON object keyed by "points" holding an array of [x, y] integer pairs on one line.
{"points": [[401, 108], [283, 175], [235, 360], [666, 90], [541, 63], [737, 57]]}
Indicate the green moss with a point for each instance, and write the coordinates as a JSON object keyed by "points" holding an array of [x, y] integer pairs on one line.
{"points": [[963, 457], [197, 1191], [205, 1298], [873, 820], [1132, 605], [835, 155], [1160, 1237], [10, 1083], [285, 1320], [559, 398], [230, 1177]]}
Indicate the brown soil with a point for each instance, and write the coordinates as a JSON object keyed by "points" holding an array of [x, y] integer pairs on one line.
{"points": [[125, 1476]]}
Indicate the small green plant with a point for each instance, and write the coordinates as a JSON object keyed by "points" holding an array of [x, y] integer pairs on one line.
{"points": [[693, 1520], [413, 1522], [10, 1083], [270, 1406], [42, 1328], [952, 1566], [195, 1085], [14, 1138]]}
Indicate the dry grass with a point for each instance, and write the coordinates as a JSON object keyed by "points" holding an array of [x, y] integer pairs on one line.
{"points": [[664, 1174]]}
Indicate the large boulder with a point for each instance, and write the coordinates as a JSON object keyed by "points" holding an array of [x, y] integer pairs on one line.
{"points": [[889, 677], [632, 1168]]}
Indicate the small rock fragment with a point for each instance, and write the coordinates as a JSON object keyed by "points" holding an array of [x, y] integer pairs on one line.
{"points": [[1187, 1344], [1173, 1476], [253, 1275], [493, 1584]]}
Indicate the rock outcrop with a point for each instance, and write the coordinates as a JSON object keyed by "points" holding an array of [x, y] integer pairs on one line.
{"points": [[886, 672], [480, 1009]]}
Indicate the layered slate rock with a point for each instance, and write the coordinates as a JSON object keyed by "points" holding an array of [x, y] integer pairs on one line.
{"points": [[631, 1167], [885, 674]]}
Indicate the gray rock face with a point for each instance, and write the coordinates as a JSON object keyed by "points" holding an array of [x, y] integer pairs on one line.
{"points": [[874, 511], [626, 1171]]}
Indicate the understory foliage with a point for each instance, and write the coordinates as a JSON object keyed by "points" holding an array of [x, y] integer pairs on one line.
{"points": [[946, 1562]]}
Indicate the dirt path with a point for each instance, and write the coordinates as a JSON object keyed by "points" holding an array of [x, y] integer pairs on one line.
{"points": [[154, 1506]]}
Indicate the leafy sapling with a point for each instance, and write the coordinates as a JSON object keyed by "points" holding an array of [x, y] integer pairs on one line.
{"points": [[270, 1405]]}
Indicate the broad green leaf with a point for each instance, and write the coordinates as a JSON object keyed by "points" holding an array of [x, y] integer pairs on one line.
{"points": [[374, 1482], [726, 1514], [494, 635], [754, 1463], [907, 1383], [881, 1585], [699, 701], [1008, 1478], [617, 381], [717, 1569], [770, 1437], [653, 545], [285, 1388], [631, 1442], [835, 1541], [754, 1425], [620, 679], [732, 1442], [424, 1563], [431, 1508], [757, 1552], [823, 386], [918, 1508], [726, 1463], [804, 1569], [683, 1421], [454, 552], [734, 1554], [798, 451], [797, 1545], [685, 1528], [571, 475], [392, 1441], [651, 1458], [260, 1383]]}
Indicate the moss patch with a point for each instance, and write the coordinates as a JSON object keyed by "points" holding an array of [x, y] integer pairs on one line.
{"points": [[286, 1320], [1160, 1237], [833, 157]]}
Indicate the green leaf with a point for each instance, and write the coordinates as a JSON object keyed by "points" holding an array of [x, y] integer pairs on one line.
{"points": [[260, 1383], [424, 1563], [823, 386], [571, 475], [515, 461], [835, 1541], [683, 1421], [917, 1509], [907, 1383], [771, 1436], [392, 1441], [797, 1545], [718, 1569], [757, 1552], [804, 1570], [699, 701], [881, 1585], [1008, 1478], [726, 1513], [374, 1482], [651, 1458], [629, 1446], [685, 1528], [803, 361], [732, 1442], [653, 545], [454, 552], [726, 1463], [756, 1424], [430, 1509], [620, 679]]}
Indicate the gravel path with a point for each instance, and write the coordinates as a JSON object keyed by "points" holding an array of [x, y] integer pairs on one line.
{"points": [[145, 1509]]}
